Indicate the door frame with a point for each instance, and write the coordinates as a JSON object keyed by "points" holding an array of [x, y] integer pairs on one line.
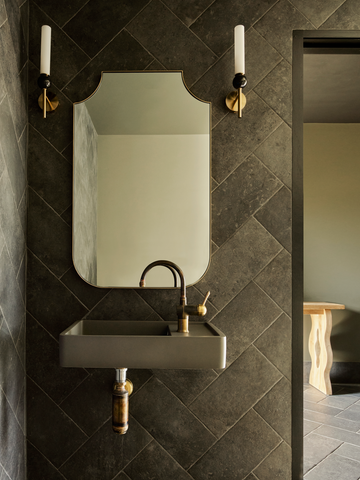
{"points": [[322, 41]]}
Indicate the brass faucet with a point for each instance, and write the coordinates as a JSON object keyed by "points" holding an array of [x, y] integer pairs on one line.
{"points": [[183, 310]]}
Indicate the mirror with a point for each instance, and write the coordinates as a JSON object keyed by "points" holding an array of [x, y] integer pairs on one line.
{"points": [[141, 180]]}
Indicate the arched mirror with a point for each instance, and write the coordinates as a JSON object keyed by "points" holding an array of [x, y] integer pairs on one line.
{"points": [[141, 180]]}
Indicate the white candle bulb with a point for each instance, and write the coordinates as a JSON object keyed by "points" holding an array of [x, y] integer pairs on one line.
{"points": [[45, 49], [239, 34]]}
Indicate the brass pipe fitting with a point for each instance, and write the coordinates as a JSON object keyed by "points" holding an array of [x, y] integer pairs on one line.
{"points": [[120, 402]]}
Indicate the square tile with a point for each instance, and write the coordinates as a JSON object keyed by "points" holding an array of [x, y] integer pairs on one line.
{"points": [[170, 423], [194, 58], [317, 12], [246, 390], [316, 448], [335, 467], [243, 447]]}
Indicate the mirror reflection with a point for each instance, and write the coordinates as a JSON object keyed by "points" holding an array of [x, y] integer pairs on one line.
{"points": [[141, 180]]}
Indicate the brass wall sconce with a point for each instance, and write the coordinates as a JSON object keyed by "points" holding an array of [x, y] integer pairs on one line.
{"points": [[236, 101], [48, 101]]}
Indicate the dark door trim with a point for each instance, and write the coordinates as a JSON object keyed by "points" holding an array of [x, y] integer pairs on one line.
{"points": [[321, 42]]}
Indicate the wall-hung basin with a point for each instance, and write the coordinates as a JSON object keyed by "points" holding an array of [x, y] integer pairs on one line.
{"points": [[141, 344]]}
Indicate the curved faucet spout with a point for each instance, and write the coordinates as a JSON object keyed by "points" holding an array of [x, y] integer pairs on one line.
{"points": [[173, 268]]}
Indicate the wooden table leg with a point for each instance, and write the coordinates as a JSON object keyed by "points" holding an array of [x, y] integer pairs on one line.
{"points": [[321, 352]]}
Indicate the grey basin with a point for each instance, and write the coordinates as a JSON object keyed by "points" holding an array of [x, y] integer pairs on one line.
{"points": [[139, 344]]}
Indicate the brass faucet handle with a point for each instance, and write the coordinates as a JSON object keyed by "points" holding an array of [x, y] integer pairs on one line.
{"points": [[206, 297]]}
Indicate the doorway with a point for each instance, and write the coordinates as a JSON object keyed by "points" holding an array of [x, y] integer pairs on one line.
{"points": [[316, 42]]}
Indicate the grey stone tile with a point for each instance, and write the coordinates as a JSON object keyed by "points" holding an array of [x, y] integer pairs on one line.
{"points": [[163, 301], [313, 395], [12, 371], [12, 452], [351, 413], [146, 465], [17, 33], [49, 174], [349, 451], [14, 75], [123, 304], [278, 24], [123, 53], [21, 342], [170, 423], [194, 58], [11, 152], [275, 409], [276, 465], [3, 90], [96, 393], [49, 237], [317, 12], [316, 407], [276, 90], [276, 153], [275, 216], [85, 292], [244, 192], [3, 14], [250, 249], [339, 401], [335, 467], [339, 434], [48, 301], [246, 390], [67, 216], [316, 448], [244, 319], [42, 362], [11, 223], [244, 446], [62, 12], [261, 58], [331, 420], [234, 140], [36, 463], [45, 418], [275, 279], [66, 56], [215, 84], [187, 10], [186, 384], [106, 21], [11, 301], [23, 146], [216, 25], [105, 453], [57, 128], [346, 17], [279, 351], [310, 426]]}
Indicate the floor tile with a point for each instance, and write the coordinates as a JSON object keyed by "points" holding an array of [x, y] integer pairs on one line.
{"points": [[316, 407], [337, 422], [335, 468], [349, 451], [339, 434], [339, 401], [351, 413], [316, 448], [310, 426]]}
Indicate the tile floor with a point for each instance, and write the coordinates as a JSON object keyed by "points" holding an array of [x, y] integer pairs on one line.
{"points": [[332, 433]]}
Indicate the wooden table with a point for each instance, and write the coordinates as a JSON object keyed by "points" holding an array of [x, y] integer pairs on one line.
{"points": [[319, 343]]}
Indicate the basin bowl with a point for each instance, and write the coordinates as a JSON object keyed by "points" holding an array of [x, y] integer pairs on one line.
{"points": [[141, 344]]}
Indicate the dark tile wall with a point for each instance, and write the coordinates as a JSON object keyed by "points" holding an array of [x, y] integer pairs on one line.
{"points": [[231, 424], [13, 145]]}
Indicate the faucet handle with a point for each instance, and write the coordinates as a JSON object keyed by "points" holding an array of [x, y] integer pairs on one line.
{"points": [[206, 297]]}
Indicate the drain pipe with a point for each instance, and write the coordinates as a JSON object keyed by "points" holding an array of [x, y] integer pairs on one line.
{"points": [[121, 390]]}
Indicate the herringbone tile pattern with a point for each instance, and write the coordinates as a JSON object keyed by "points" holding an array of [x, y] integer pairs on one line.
{"points": [[13, 145], [231, 424]]}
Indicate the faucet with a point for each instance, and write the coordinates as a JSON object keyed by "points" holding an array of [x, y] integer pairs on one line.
{"points": [[183, 310]]}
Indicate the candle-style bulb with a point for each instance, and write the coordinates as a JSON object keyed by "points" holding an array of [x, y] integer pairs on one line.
{"points": [[45, 49], [239, 42]]}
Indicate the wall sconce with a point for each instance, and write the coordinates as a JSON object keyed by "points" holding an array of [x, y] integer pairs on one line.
{"points": [[236, 101], [47, 100]]}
